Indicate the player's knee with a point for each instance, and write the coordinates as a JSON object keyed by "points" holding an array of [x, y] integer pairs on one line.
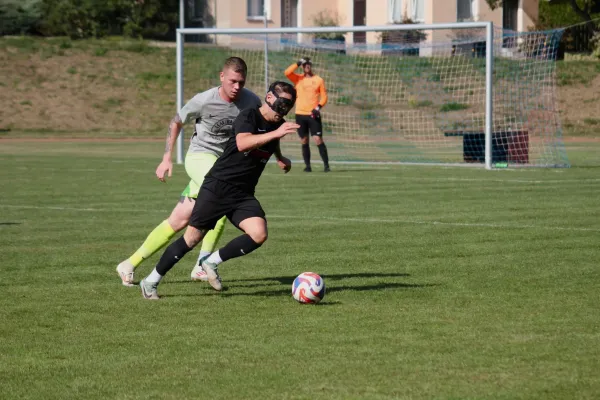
{"points": [[180, 216], [259, 236], [318, 140], [178, 222], [193, 236], [304, 140]]}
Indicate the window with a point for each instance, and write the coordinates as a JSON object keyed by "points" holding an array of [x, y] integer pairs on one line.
{"points": [[197, 13], [463, 10], [256, 9], [394, 11], [418, 10], [466, 10]]}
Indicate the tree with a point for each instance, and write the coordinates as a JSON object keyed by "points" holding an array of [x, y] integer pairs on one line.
{"points": [[583, 8], [18, 16], [93, 18], [327, 18]]}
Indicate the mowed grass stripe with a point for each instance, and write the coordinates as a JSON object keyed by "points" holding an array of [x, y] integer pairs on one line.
{"points": [[422, 301], [323, 219]]}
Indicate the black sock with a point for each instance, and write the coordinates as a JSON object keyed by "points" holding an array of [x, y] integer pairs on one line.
{"points": [[240, 246], [172, 255], [323, 153], [306, 154]]}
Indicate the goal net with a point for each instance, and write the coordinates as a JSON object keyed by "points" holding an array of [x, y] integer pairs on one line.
{"points": [[407, 95]]}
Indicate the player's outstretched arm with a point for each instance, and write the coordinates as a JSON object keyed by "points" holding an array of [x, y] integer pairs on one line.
{"points": [[247, 141], [165, 168]]}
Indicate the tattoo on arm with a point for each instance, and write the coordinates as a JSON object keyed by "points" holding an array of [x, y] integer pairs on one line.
{"points": [[175, 121], [183, 199], [168, 145]]}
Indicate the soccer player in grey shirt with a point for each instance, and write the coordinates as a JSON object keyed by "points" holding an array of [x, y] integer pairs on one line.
{"points": [[213, 113]]}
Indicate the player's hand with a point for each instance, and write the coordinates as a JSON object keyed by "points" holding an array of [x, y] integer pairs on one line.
{"points": [[285, 164], [286, 128], [164, 169], [315, 113], [302, 61]]}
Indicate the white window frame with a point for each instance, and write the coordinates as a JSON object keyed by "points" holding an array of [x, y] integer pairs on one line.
{"points": [[394, 6], [521, 18], [266, 5]]}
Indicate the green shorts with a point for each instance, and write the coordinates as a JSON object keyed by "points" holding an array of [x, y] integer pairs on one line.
{"points": [[197, 166]]}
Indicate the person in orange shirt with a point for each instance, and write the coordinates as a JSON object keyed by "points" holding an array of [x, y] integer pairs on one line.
{"points": [[311, 98]]}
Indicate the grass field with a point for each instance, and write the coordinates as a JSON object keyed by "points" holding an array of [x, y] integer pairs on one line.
{"points": [[443, 283]]}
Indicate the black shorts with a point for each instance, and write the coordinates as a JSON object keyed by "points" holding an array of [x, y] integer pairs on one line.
{"points": [[309, 124], [217, 199]]}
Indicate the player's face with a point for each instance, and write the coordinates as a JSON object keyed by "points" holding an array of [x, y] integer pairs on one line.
{"points": [[271, 98], [307, 68], [232, 83]]}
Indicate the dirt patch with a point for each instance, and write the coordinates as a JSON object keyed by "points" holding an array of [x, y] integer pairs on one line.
{"points": [[581, 139], [87, 91], [579, 107], [83, 92], [82, 140]]}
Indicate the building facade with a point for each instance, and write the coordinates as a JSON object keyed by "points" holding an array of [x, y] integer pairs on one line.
{"points": [[516, 15]]}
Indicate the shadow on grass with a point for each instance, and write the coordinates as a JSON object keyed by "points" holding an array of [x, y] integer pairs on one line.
{"points": [[229, 291], [10, 223], [288, 280]]}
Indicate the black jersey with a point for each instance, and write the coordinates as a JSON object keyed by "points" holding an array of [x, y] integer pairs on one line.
{"points": [[243, 169]]}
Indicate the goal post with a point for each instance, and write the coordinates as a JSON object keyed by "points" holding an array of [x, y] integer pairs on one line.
{"points": [[457, 93]]}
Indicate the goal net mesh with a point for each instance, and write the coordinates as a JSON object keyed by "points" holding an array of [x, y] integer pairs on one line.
{"points": [[409, 96]]}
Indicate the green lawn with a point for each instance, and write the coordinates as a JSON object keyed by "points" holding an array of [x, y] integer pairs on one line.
{"points": [[443, 283]]}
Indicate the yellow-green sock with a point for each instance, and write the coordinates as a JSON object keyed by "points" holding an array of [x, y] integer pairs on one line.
{"points": [[212, 237], [160, 236]]}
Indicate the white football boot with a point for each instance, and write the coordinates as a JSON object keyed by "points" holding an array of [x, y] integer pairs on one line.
{"points": [[126, 271]]}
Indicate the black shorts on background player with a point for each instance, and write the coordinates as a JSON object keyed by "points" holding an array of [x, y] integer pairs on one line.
{"points": [[308, 125]]}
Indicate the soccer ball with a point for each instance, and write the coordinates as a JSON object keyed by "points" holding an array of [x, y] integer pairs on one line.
{"points": [[308, 288]]}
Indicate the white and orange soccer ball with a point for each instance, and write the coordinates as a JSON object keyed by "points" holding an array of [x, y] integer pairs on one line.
{"points": [[308, 288]]}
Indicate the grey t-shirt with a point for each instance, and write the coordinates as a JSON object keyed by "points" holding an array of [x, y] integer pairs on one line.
{"points": [[214, 119]]}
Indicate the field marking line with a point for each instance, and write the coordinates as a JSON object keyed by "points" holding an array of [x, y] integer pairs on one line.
{"points": [[462, 224], [449, 179], [325, 218], [346, 176]]}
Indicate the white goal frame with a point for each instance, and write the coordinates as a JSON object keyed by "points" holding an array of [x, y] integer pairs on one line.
{"points": [[489, 64]]}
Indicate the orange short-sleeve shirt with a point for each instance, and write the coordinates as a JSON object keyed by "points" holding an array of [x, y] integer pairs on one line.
{"points": [[310, 90]]}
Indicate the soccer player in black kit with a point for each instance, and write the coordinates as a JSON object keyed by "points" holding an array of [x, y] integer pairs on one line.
{"points": [[228, 188]]}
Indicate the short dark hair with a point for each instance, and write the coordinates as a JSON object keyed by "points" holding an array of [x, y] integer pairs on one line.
{"points": [[279, 87], [236, 64]]}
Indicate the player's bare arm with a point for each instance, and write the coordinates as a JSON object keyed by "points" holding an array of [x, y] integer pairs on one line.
{"points": [[165, 168], [247, 141], [283, 162]]}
